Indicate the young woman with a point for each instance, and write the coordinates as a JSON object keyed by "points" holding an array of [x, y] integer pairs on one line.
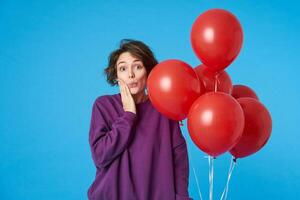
{"points": [[139, 154]]}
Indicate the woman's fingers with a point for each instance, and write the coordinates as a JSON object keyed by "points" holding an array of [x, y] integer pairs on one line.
{"points": [[124, 95], [125, 88], [127, 99], [120, 87]]}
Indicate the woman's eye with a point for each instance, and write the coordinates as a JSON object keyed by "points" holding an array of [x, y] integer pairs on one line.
{"points": [[122, 69], [139, 66]]}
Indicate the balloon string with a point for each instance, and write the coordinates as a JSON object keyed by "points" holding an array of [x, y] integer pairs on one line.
{"points": [[197, 182], [195, 175], [231, 168], [216, 82], [234, 163], [211, 176]]}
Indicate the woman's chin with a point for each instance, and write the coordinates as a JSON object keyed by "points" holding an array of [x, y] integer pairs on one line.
{"points": [[133, 91]]}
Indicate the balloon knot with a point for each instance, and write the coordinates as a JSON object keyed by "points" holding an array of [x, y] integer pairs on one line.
{"points": [[181, 123]]}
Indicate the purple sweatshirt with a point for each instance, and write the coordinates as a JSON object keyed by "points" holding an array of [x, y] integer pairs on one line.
{"points": [[140, 156]]}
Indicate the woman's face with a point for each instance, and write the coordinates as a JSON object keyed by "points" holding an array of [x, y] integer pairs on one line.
{"points": [[132, 71]]}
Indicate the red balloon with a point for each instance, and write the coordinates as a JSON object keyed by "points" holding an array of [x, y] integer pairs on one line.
{"points": [[258, 127], [216, 38], [239, 91], [173, 86], [215, 122], [209, 79]]}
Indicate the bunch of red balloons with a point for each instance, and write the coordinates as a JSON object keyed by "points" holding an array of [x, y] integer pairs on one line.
{"points": [[221, 117]]}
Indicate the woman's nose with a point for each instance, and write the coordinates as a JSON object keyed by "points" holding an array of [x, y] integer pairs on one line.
{"points": [[131, 75]]}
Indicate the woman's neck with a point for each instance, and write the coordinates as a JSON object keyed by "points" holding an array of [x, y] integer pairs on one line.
{"points": [[140, 97]]}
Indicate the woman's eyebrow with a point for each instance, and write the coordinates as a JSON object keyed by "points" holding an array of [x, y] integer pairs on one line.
{"points": [[132, 61], [120, 62]]}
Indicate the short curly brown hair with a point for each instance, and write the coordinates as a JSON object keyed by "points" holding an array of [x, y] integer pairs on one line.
{"points": [[135, 48]]}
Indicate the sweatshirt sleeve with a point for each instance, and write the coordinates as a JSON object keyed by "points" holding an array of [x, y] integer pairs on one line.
{"points": [[181, 164], [108, 143]]}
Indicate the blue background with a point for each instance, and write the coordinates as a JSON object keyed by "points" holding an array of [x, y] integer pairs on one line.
{"points": [[52, 56]]}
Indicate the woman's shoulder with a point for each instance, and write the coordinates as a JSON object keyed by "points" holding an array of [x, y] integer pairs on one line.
{"points": [[108, 103], [106, 98]]}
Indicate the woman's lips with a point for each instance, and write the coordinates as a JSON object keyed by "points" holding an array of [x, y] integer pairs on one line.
{"points": [[132, 85]]}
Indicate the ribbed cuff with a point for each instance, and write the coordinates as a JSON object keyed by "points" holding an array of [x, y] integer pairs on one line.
{"points": [[130, 116]]}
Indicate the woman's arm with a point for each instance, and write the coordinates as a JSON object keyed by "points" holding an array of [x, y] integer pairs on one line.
{"points": [[181, 164], [107, 144]]}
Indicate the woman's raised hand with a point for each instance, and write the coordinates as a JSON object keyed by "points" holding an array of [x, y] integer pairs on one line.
{"points": [[127, 99]]}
